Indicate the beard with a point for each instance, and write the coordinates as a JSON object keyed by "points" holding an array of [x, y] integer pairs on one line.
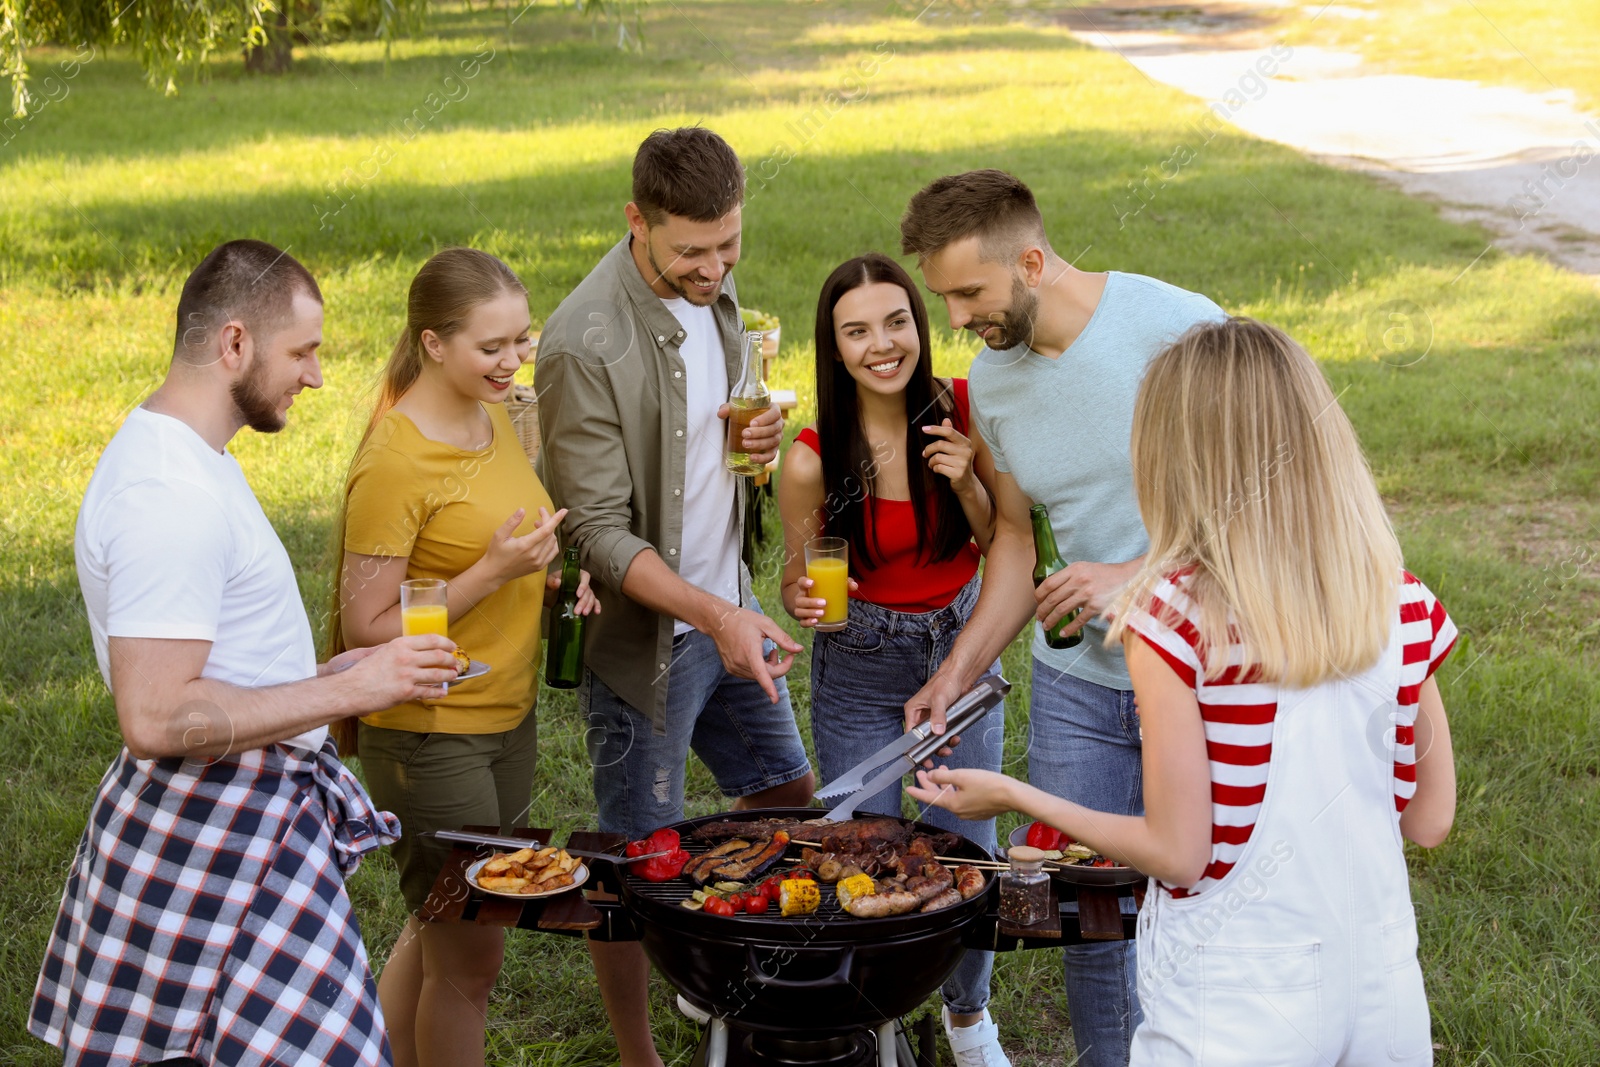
{"points": [[256, 409], [693, 296], [1016, 323]]}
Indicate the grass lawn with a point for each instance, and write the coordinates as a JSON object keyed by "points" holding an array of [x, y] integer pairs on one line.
{"points": [[1472, 378], [1533, 44]]}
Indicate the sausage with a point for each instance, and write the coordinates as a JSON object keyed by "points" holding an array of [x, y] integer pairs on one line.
{"points": [[969, 881], [936, 879], [948, 898], [882, 904]]}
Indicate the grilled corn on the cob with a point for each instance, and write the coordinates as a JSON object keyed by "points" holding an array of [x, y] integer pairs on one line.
{"points": [[798, 896], [857, 885]]}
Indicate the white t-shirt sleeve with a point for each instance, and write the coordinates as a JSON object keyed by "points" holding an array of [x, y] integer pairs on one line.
{"points": [[167, 548]]}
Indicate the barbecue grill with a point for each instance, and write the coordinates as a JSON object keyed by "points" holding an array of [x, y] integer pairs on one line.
{"points": [[825, 990], [828, 975]]}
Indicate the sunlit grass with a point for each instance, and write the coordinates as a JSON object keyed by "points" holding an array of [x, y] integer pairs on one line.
{"points": [[1539, 45], [1483, 439]]}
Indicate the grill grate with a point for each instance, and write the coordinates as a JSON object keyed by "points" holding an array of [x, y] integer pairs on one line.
{"points": [[678, 889], [672, 892]]}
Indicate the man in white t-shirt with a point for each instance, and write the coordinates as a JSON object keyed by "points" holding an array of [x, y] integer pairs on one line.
{"points": [[205, 917]]}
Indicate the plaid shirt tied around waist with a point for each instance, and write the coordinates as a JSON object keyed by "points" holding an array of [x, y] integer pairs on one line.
{"points": [[206, 916]]}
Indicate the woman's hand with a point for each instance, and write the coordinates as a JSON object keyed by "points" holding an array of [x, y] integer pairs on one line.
{"points": [[808, 610], [971, 794], [588, 603], [510, 556], [950, 456]]}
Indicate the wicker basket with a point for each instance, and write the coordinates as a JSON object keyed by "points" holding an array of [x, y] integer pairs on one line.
{"points": [[523, 407]]}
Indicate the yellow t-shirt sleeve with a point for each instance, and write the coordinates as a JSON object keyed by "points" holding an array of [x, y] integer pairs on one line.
{"points": [[384, 505]]}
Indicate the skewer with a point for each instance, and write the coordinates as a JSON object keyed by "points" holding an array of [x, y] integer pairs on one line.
{"points": [[990, 865]]}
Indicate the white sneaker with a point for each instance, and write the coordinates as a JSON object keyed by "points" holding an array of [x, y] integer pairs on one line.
{"points": [[977, 1045], [692, 1012]]}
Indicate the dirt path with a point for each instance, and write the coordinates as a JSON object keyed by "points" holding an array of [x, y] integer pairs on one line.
{"points": [[1526, 166]]}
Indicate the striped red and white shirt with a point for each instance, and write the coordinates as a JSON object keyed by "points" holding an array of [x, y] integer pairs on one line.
{"points": [[1238, 709]]}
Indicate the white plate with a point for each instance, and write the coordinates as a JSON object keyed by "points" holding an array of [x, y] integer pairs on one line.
{"points": [[579, 876], [477, 669]]}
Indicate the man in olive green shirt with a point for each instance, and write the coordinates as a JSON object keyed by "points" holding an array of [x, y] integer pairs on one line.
{"points": [[633, 374]]}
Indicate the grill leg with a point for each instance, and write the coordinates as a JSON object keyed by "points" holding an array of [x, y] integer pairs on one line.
{"points": [[927, 1043], [888, 1054], [717, 1045]]}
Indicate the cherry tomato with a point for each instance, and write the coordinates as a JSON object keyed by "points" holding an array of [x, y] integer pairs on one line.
{"points": [[757, 904], [718, 906]]}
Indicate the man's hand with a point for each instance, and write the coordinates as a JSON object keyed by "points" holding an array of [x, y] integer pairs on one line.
{"points": [[588, 603], [1091, 586], [740, 635], [764, 434], [405, 669], [931, 702]]}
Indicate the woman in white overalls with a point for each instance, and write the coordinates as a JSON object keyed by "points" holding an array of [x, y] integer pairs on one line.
{"points": [[1282, 661]]}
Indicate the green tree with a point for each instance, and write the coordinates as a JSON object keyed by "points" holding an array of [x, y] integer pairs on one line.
{"points": [[169, 37]]}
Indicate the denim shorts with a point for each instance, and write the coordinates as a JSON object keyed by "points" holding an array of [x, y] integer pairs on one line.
{"points": [[747, 742]]}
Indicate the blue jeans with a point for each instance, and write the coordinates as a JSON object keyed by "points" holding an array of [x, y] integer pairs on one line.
{"points": [[861, 677], [1083, 746], [747, 742]]}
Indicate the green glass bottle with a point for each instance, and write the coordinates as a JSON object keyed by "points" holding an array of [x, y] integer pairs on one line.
{"points": [[1047, 561], [563, 665]]}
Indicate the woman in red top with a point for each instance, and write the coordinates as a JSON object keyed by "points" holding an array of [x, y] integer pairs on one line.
{"points": [[893, 467]]}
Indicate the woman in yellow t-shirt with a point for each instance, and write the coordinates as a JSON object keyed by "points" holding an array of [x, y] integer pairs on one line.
{"points": [[441, 488]]}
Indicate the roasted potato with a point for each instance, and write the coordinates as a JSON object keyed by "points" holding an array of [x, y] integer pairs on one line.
{"points": [[528, 871], [504, 885]]}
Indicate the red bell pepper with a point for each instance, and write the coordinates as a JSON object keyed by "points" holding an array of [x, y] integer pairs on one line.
{"points": [[1044, 836], [661, 868]]}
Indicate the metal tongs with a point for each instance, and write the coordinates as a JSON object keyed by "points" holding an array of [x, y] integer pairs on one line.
{"points": [[467, 837], [906, 753]]}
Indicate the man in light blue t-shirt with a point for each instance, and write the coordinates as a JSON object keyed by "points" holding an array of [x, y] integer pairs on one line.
{"points": [[1052, 394]]}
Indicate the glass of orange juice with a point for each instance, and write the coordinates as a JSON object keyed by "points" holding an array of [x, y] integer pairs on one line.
{"points": [[424, 607], [828, 567]]}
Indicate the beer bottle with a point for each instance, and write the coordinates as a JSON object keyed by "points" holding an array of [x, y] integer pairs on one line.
{"points": [[748, 399], [563, 665], [1047, 560]]}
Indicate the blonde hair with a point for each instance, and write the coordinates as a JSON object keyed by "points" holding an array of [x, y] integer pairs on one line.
{"points": [[1250, 479], [444, 293]]}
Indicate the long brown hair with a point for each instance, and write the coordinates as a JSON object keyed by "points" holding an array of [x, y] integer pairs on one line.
{"points": [[1250, 477], [444, 293], [847, 461]]}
